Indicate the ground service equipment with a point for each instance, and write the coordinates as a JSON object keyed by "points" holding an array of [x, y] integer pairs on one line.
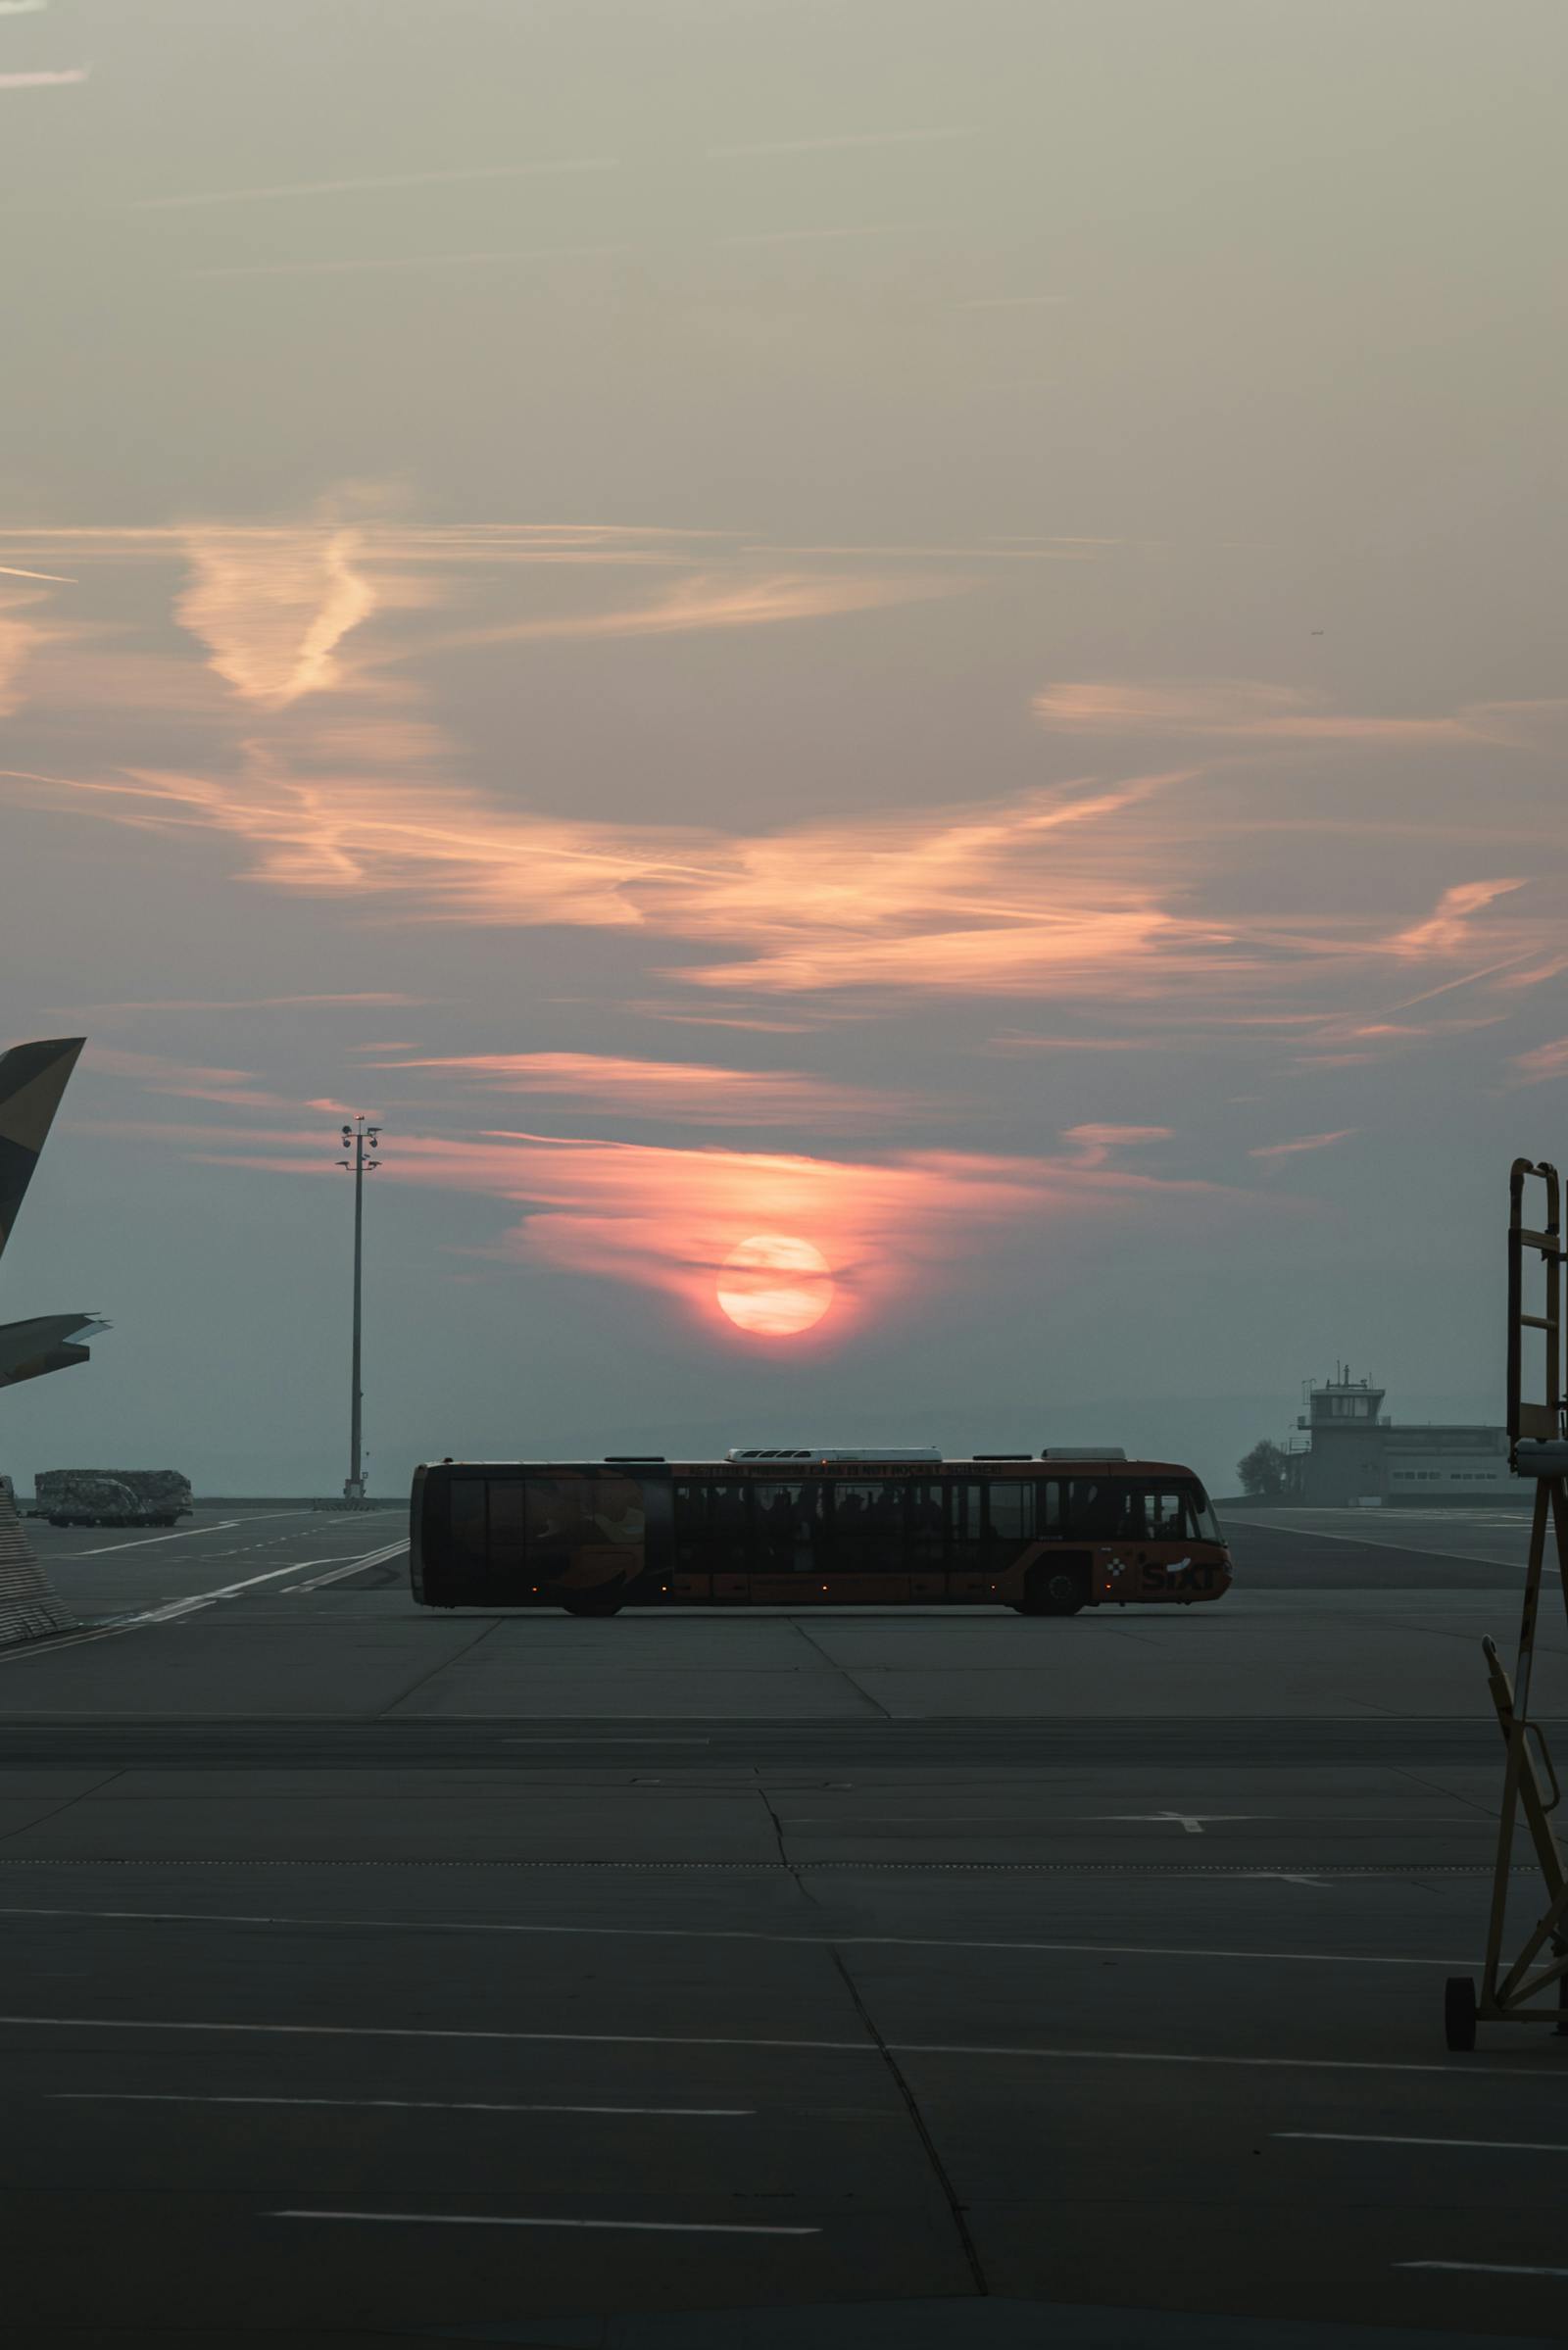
{"points": [[113, 1497], [1537, 1441]]}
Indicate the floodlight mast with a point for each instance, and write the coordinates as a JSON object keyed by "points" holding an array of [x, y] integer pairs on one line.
{"points": [[361, 1140]]}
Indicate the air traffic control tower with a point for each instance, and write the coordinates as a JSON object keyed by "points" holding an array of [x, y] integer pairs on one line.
{"points": [[1345, 1462], [1355, 1454]]}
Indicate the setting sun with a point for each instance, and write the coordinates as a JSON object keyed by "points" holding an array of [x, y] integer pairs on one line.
{"points": [[775, 1286]]}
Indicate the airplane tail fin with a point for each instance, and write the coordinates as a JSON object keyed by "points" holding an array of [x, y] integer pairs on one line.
{"points": [[33, 1078]]}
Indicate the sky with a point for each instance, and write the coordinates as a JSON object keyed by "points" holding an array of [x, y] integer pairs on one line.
{"points": [[896, 661]]}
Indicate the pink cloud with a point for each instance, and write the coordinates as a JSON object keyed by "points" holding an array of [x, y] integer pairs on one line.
{"points": [[1095, 1144], [696, 1092], [718, 600], [188, 1081], [1543, 1061], [1306, 1141], [668, 1218], [272, 612], [56, 78], [1447, 929]]}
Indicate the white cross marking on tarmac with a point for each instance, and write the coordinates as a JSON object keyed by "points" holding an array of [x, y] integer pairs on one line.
{"points": [[1192, 1820]]}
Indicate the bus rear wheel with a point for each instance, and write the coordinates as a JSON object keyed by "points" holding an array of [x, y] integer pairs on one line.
{"points": [[1054, 1591], [592, 1607]]}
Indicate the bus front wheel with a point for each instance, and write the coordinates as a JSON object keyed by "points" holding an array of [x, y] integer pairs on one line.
{"points": [[1054, 1591], [591, 1607]]}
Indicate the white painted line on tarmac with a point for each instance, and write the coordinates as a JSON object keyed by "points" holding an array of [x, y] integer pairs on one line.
{"points": [[723, 1934], [1289, 2064], [175, 1609], [403, 2105], [1357, 2137], [64, 1558], [355, 1566], [144, 1541], [1462, 2071], [1192, 1822], [1038, 1822], [467, 2219], [1370, 1542], [1483, 2268]]}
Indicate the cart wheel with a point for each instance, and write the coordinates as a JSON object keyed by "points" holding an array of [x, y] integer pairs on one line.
{"points": [[1459, 2013]]}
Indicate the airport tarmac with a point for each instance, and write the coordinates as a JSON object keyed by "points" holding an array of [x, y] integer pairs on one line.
{"points": [[712, 1981]]}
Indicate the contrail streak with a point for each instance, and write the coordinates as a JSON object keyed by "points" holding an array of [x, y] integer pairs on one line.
{"points": [[854, 138], [400, 180], [22, 8], [402, 261], [801, 236], [9, 570], [43, 80]]}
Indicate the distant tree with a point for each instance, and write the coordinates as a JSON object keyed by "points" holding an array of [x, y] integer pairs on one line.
{"points": [[1263, 1469]]}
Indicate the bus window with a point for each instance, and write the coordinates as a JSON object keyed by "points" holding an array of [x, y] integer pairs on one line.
{"points": [[966, 1522], [787, 1528], [1203, 1517], [1009, 1513], [1006, 1500], [691, 1555], [726, 1543], [1104, 1510], [468, 1519], [505, 1521], [1167, 1514], [869, 1528], [553, 1509], [1048, 1505], [612, 1512], [926, 1528]]}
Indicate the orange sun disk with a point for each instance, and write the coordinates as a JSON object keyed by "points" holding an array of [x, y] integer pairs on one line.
{"points": [[775, 1286]]}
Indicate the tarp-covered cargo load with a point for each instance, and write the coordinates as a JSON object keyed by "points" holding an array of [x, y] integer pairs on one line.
{"points": [[113, 1497]]}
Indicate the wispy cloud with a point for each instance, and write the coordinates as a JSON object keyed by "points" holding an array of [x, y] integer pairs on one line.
{"points": [[1011, 1042], [379, 185], [205, 1004], [1234, 706], [720, 600], [827, 143], [186, 1081], [1543, 1061], [22, 8], [806, 236], [1095, 1144], [1448, 929], [668, 1219], [356, 266], [690, 1091], [55, 79], [1306, 1141], [1080, 894], [272, 615], [23, 639]]}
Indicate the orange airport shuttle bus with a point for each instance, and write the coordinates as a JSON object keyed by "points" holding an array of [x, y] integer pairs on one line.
{"points": [[815, 1529]]}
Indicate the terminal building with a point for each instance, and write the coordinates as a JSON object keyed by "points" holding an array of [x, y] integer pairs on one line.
{"points": [[1355, 1455]]}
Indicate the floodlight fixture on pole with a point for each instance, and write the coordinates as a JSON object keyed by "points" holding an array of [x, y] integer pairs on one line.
{"points": [[361, 1140]]}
